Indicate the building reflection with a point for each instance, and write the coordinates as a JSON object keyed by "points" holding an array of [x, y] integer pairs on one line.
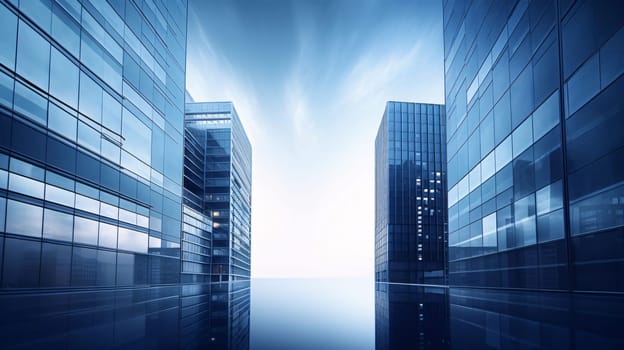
{"points": [[411, 316], [187, 316]]}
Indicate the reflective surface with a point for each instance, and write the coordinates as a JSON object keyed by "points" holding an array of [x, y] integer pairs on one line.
{"points": [[310, 314]]}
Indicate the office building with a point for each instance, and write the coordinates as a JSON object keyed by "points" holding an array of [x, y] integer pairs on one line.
{"points": [[410, 194], [91, 159], [224, 188], [535, 159]]}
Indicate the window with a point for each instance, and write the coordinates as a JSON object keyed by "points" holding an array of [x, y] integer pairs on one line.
{"points": [[524, 211], [84, 266], [87, 204], [502, 118], [550, 226], [137, 137], [59, 195], [65, 29], [111, 114], [522, 96], [23, 219], [85, 231], [62, 122], [63, 78], [487, 134], [88, 137], [549, 198], [611, 56], [21, 263], [583, 85], [30, 103], [39, 12], [33, 56], [90, 98], [108, 236], [2, 212], [546, 116], [6, 90], [24, 185], [503, 153], [522, 137], [132, 240], [106, 268], [55, 265], [8, 33], [489, 232], [505, 227], [57, 225]]}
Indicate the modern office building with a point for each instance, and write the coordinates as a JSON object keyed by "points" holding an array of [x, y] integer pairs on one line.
{"points": [[410, 194], [411, 317], [221, 184], [91, 163], [535, 120]]}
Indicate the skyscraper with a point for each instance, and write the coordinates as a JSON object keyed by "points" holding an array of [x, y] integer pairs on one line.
{"points": [[226, 191], [91, 150], [410, 200], [535, 122]]}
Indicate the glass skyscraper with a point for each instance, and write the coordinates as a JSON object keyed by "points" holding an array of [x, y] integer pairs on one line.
{"points": [[410, 194], [222, 185], [535, 121]]}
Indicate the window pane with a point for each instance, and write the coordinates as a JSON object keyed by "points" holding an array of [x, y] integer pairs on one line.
{"points": [[583, 85], [65, 29], [132, 240], [6, 90], [38, 11], [111, 114], [503, 153], [84, 266], [599, 211], [90, 98], [23, 219], [522, 137], [62, 122], [546, 116], [88, 137], [8, 33], [55, 265], [59, 195], [108, 236], [550, 226], [21, 263], [549, 198], [106, 266], [33, 56], [30, 103], [505, 227], [24, 185], [26, 169], [524, 211], [57, 225], [137, 137], [490, 239], [63, 78], [85, 231]]}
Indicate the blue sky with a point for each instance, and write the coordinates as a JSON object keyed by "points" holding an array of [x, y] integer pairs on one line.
{"points": [[310, 80]]}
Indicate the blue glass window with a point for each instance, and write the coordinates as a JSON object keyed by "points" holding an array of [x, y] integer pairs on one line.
{"points": [[65, 30], [30, 103], [583, 85], [85, 231], [546, 116], [39, 11], [24, 219], [2, 209], [522, 137], [111, 113], [88, 137], [503, 153], [21, 263], [505, 227], [487, 134], [84, 266], [106, 268], [57, 225], [8, 33], [62, 122], [108, 236], [611, 58], [524, 212], [502, 118], [55, 265], [6, 90], [63, 78], [550, 226], [522, 96], [490, 239], [33, 56], [137, 137], [549, 198], [24, 185], [90, 98]]}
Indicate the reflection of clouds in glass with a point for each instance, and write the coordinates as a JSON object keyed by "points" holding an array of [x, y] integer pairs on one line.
{"points": [[57, 225], [23, 219]]}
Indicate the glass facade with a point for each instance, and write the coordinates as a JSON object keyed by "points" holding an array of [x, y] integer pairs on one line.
{"points": [[534, 119], [218, 183], [410, 194]]}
